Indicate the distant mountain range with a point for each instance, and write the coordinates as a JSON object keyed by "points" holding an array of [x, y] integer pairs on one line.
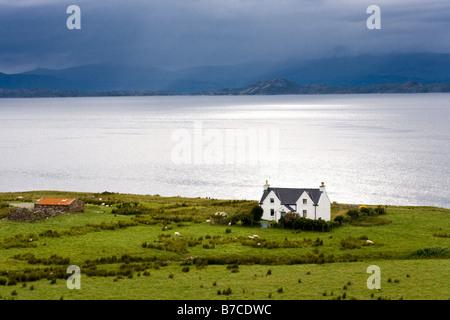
{"points": [[414, 72], [283, 86], [264, 87]]}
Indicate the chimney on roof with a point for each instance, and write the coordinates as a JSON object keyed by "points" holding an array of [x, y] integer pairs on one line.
{"points": [[322, 187], [267, 185]]}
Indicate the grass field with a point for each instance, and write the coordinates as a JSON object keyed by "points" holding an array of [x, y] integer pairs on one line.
{"points": [[137, 256]]}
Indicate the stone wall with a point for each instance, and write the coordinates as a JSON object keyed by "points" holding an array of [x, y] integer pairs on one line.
{"points": [[77, 206], [31, 215]]}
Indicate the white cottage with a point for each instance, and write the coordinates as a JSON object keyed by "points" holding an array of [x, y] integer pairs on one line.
{"points": [[308, 203]]}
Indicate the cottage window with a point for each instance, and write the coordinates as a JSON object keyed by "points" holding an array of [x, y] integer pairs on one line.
{"points": [[305, 201], [272, 200], [305, 213], [272, 212]]}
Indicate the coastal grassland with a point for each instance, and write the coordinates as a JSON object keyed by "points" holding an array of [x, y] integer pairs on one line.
{"points": [[137, 256], [400, 279]]}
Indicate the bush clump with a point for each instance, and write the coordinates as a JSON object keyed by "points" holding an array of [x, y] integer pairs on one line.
{"points": [[436, 252], [54, 259], [353, 243], [294, 221], [129, 209], [185, 269], [364, 216]]}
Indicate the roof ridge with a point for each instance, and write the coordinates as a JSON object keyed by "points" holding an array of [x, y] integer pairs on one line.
{"points": [[294, 188], [291, 195]]}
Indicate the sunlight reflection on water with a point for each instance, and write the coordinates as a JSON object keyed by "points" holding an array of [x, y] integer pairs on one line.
{"points": [[380, 149]]}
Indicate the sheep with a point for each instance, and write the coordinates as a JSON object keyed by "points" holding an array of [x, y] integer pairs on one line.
{"points": [[208, 221], [177, 234], [250, 237], [255, 236], [369, 242]]}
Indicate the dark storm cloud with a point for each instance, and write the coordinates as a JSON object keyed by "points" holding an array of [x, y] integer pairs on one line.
{"points": [[181, 33]]}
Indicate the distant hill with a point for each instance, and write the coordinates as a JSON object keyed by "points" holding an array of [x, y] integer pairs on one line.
{"points": [[44, 93], [361, 71], [283, 86], [263, 87]]}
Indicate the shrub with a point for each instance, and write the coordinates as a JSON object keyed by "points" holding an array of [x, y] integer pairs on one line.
{"points": [[19, 241], [227, 292], [129, 209], [12, 282], [339, 219], [313, 225], [175, 245], [350, 243], [246, 218], [288, 219], [54, 259], [380, 210], [436, 252], [185, 269], [353, 214], [233, 267], [257, 213], [441, 235], [364, 210], [4, 205]]}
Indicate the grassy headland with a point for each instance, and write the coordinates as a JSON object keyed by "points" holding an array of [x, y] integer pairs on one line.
{"points": [[126, 249]]}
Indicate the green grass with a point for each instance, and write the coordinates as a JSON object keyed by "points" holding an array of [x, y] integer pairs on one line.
{"points": [[414, 261]]}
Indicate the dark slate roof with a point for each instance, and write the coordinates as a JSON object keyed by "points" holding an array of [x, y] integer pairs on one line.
{"points": [[289, 196], [289, 208]]}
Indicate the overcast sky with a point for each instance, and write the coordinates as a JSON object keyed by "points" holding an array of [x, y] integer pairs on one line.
{"points": [[179, 33]]}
